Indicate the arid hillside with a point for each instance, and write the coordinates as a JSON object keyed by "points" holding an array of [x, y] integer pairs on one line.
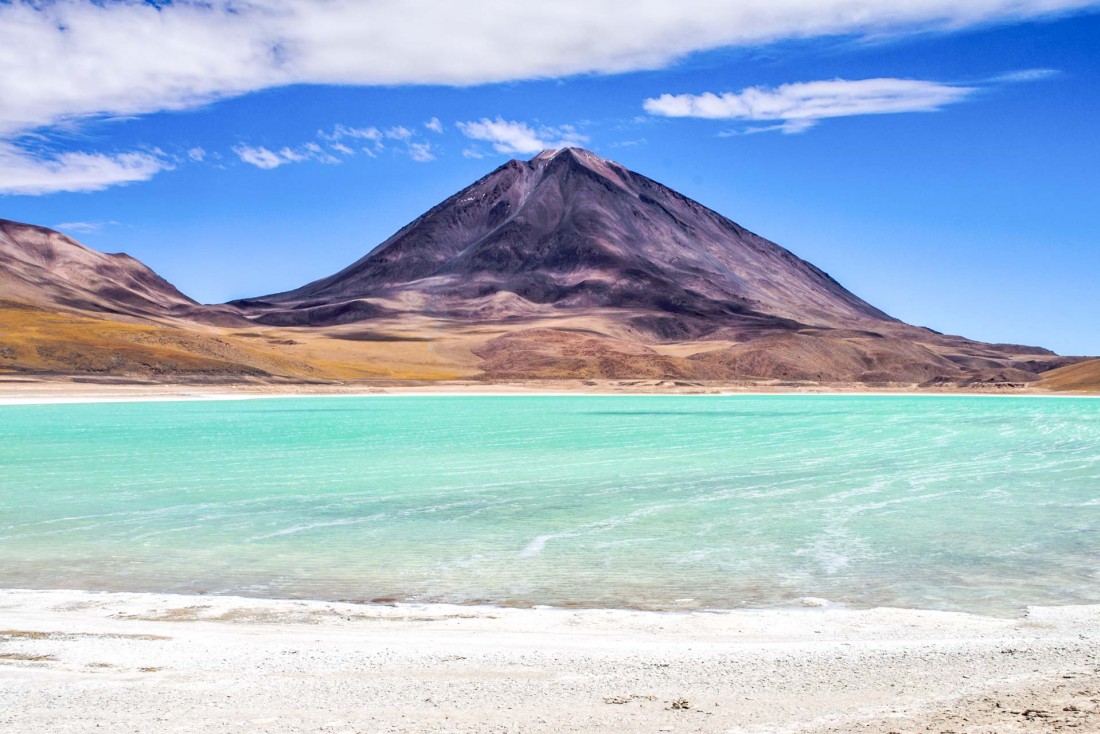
{"points": [[1082, 376]]}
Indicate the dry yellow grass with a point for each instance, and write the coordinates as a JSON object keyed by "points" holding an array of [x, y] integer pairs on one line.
{"points": [[37, 341], [1080, 377], [415, 348]]}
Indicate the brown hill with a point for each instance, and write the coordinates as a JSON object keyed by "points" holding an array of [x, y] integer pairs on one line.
{"points": [[1080, 377], [44, 268], [68, 310]]}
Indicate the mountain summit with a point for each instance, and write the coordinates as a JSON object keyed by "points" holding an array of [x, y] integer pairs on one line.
{"points": [[569, 230]]}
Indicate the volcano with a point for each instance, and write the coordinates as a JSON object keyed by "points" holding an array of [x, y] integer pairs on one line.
{"points": [[568, 231]]}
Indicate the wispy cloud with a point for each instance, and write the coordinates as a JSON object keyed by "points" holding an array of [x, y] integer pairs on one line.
{"points": [[399, 132], [421, 152], [197, 154], [798, 107], [334, 145], [514, 137], [260, 157], [1026, 75], [795, 108], [434, 125], [340, 132], [83, 227], [35, 173], [397, 138]]}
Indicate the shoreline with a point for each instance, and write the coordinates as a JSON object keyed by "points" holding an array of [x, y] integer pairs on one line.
{"points": [[75, 661], [51, 393]]}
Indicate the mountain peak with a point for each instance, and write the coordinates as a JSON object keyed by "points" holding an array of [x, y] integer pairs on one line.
{"points": [[562, 159], [551, 153]]}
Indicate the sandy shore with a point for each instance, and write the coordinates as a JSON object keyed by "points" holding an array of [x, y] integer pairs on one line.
{"points": [[20, 391], [75, 661]]}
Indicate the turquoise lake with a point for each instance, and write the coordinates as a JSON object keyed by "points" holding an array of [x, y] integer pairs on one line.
{"points": [[983, 504]]}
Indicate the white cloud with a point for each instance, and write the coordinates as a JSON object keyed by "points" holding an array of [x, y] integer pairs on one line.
{"points": [[260, 157], [313, 151], [799, 106], [792, 127], [474, 153], [399, 133], [510, 136], [197, 154], [421, 152], [83, 227], [1026, 75], [434, 125], [66, 60], [342, 131], [24, 172], [405, 138], [290, 156]]}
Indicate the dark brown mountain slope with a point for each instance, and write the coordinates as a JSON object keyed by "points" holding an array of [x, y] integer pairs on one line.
{"points": [[568, 230]]}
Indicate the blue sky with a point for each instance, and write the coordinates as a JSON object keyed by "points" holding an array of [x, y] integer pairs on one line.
{"points": [[943, 166]]}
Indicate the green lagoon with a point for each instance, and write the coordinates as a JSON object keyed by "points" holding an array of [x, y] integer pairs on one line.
{"points": [[983, 504]]}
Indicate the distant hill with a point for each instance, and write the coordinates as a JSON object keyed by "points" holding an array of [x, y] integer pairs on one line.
{"points": [[66, 309], [41, 267]]}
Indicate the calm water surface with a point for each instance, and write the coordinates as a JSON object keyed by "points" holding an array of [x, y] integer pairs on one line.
{"points": [[973, 503]]}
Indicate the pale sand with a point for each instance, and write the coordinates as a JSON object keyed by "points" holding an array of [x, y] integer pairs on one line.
{"points": [[16, 391], [75, 661]]}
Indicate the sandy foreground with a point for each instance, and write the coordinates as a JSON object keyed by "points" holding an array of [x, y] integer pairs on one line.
{"points": [[74, 661]]}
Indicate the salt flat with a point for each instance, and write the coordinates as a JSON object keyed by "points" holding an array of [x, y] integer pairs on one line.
{"points": [[73, 661]]}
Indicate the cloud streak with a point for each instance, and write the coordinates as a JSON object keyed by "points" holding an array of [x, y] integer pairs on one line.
{"points": [[797, 107], [261, 157], [24, 172], [340, 140], [83, 227], [513, 137]]}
